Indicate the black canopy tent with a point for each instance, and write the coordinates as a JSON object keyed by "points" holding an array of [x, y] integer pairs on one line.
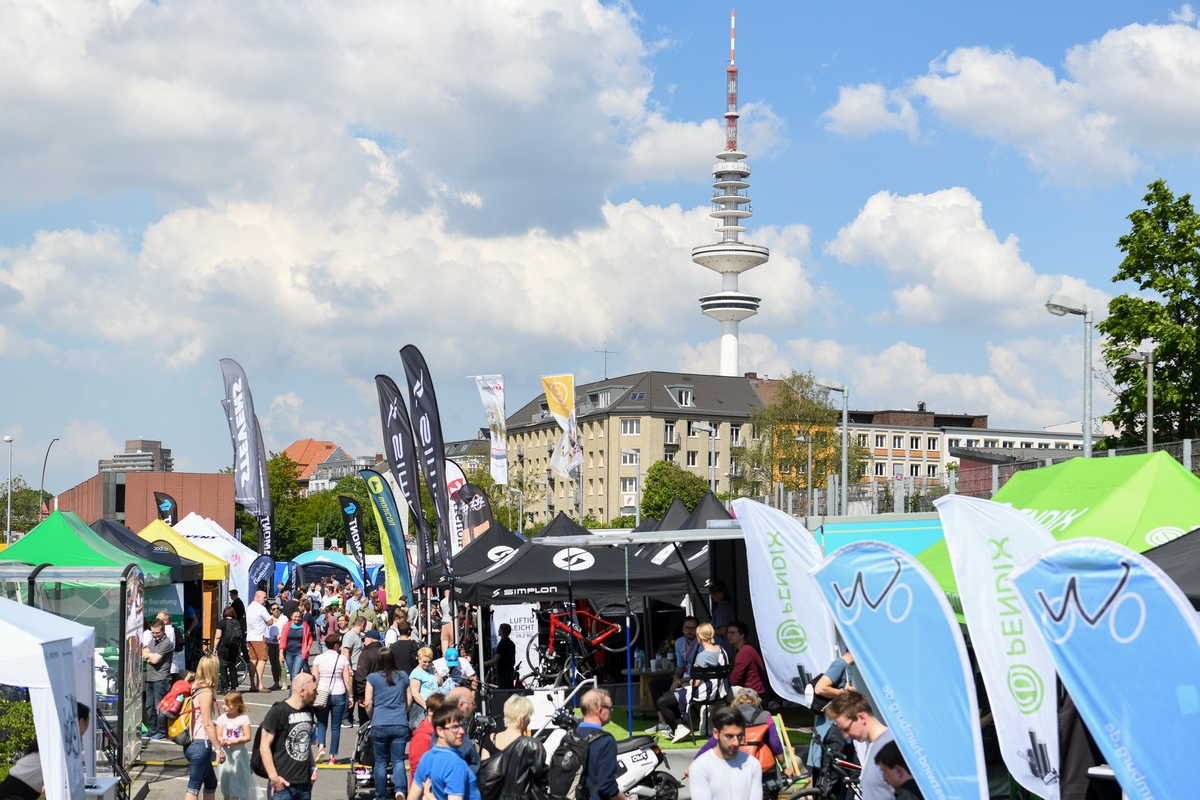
{"points": [[492, 546], [183, 570], [1180, 559]]}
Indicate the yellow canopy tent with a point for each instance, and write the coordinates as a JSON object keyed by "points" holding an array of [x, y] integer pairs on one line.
{"points": [[216, 570]]}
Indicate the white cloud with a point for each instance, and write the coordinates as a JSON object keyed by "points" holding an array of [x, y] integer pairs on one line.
{"points": [[1132, 92], [90, 440], [862, 110], [952, 267]]}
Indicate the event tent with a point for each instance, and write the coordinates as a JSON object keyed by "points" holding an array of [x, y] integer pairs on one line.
{"points": [[674, 517], [329, 558], [209, 536], [161, 534], [182, 569], [52, 657], [1180, 559], [62, 540], [492, 545], [533, 573]]}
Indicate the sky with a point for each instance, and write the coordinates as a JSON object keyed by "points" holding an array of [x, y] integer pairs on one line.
{"points": [[513, 186]]}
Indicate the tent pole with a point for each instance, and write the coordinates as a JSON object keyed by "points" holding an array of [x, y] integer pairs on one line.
{"points": [[628, 647], [692, 580], [479, 676], [571, 610]]}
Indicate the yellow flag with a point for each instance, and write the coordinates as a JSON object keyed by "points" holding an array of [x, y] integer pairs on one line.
{"points": [[560, 395]]}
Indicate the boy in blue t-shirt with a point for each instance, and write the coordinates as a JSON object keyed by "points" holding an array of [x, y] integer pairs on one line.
{"points": [[442, 770]]}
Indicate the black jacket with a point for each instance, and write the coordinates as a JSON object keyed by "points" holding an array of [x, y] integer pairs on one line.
{"points": [[523, 775]]}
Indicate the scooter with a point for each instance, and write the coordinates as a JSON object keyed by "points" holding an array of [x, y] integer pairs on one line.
{"points": [[638, 757]]}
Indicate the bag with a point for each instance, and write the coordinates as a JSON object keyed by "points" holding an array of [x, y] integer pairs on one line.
{"points": [[179, 730], [490, 779], [172, 704], [816, 702], [758, 747], [256, 762], [568, 767], [322, 698]]}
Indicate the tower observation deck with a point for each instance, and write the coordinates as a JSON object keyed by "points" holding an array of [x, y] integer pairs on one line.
{"points": [[730, 207]]}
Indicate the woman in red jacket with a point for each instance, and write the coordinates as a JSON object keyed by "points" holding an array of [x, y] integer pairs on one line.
{"points": [[294, 641]]}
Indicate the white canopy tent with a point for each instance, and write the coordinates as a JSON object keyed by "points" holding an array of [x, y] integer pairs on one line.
{"points": [[210, 537], [52, 657]]}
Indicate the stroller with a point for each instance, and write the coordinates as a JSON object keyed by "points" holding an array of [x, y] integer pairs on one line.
{"points": [[360, 772]]}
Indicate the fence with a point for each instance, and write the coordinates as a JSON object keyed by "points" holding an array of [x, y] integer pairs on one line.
{"points": [[916, 495]]}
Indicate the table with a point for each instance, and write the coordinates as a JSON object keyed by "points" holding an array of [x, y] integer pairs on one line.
{"points": [[645, 700], [100, 788]]}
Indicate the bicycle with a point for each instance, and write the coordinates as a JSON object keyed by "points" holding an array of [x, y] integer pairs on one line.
{"points": [[837, 780], [555, 663]]}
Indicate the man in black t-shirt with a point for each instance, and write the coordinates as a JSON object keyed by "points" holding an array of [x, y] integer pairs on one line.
{"points": [[287, 604], [404, 649], [286, 745], [505, 658]]}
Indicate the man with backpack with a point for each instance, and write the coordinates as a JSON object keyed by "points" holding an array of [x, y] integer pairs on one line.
{"points": [[828, 686], [283, 745], [584, 767]]}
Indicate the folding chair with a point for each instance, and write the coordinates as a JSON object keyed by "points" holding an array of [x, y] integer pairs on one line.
{"points": [[719, 697]]}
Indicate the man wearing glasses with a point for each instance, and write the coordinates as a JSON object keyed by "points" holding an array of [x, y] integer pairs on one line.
{"points": [[851, 712], [602, 750], [442, 772], [726, 771]]}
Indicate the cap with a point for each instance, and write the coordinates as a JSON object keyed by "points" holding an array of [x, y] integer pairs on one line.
{"points": [[372, 634], [451, 656]]}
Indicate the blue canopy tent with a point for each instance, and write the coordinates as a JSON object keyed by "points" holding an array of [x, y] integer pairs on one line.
{"points": [[316, 564]]}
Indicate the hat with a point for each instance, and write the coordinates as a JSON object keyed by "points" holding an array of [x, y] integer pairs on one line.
{"points": [[451, 656], [372, 634]]}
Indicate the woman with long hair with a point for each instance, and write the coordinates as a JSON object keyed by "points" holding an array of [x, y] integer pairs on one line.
{"points": [[386, 701], [331, 670], [295, 641], [674, 705], [204, 732]]}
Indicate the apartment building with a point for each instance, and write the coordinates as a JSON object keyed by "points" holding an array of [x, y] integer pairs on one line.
{"points": [[627, 423]]}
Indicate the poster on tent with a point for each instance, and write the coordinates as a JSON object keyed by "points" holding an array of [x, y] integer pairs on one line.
{"points": [[167, 598], [522, 617], [133, 681], [60, 670]]}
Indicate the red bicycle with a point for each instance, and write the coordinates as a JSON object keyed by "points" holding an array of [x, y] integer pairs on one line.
{"points": [[590, 631]]}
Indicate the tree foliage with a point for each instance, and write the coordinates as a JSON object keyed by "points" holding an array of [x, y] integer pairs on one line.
{"points": [[25, 506], [17, 732], [664, 480], [1162, 257], [799, 408]]}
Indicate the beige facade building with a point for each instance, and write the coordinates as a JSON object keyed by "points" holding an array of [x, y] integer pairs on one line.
{"points": [[626, 424]]}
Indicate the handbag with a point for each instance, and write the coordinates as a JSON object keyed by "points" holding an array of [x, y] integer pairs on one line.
{"points": [[322, 698]]}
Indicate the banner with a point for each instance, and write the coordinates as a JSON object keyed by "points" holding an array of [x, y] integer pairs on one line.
{"points": [[248, 469], [987, 541], [266, 512], [491, 392], [266, 534], [455, 480], [391, 522], [1126, 642], [560, 402], [168, 511], [795, 631], [431, 447], [907, 646], [474, 512], [522, 618], [398, 448], [262, 569], [54, 708], [352, 519]]}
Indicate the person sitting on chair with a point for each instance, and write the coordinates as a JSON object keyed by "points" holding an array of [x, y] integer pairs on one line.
{"points": [[674, 705]]}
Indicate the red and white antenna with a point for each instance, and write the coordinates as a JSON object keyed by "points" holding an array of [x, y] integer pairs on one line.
{"points": [[731, 112]]}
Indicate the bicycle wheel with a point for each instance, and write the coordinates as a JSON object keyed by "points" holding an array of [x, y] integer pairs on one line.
{"points": [[616, 613], [242, 672]]}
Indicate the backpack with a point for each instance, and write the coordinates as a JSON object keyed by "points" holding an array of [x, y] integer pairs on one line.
{"points": [[179, 730], [569, 765], [757, 746], [234, 629], [256, 761], [172, 704]]}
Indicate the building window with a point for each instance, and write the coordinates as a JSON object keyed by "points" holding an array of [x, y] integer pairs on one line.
{"points": [[628, 485], [684, 397], [1076, 447], [591, 487], [989, 443], [1060, 445], [897, 442], [637, 396], [713, 458], [669, 456], [914, 470], [733, 466], [785, 466], [914, 443], [669, 432], [600, 459], [600, 399], [600, 428], [880, 440], [880, 466], [932, 444], [631, 427], [1007, 444], [591, 433], [630, 459], [931, 471], [692, 432], [601, 482], [862, 440], [691, 458], [1026, 445], [590, 459], [972, 443], [952, 442], [735, 435], [1043, 446]]}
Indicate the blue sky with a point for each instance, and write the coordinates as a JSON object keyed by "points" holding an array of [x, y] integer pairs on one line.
{"points": [[308, 187]]}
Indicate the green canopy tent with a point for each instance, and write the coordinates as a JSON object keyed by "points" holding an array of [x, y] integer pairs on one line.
{"points": [[62, 540], [1136, 501]]}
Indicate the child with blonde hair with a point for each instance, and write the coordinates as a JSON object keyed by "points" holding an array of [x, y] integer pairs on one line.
{"points": [[233, 728]]}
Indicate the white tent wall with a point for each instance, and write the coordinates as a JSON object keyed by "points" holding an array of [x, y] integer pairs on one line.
{"points": [[53, 657], [212, 539]]}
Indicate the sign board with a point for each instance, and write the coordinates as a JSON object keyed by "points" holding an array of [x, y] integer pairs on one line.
{"points": [[318, 543]]}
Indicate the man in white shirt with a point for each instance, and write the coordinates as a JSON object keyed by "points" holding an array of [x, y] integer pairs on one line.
{"points": [[454, 671], [726, 772], [851, 712], [258, 619]]}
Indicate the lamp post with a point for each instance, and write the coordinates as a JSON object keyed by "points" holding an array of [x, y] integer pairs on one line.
{"points": [[712, 453], [8, 494], [1060, 305], [1145, 355], [42, 487], [807, 475], [834, 386]]}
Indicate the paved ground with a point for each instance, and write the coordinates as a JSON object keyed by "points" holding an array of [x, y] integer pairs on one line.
{"points": [[162, 772]]}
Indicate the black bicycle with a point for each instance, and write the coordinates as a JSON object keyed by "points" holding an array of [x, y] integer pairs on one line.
{"points": [[838, 780]]}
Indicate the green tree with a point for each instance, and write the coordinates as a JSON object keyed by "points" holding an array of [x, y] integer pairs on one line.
{"points": [[25, 506], [664, 480], [799, 408], [504, 500], [16, 731], [1162, 257]]}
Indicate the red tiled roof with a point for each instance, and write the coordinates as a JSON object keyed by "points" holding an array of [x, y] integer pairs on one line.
{"points": [[309, 453]]}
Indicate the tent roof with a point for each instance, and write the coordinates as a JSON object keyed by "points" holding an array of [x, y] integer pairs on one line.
{"points": [[209, 536], [562, 525], [64, 541], [674, 517], [709, 508], [215, 569], [495, 543], [648, 524], [1180, 559], [332, 558], [538, 572], [182, 569]]}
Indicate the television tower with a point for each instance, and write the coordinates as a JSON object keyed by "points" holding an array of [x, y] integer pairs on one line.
{"points": [[730, 257]]}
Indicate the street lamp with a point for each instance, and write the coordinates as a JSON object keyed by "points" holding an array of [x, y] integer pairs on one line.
{"points": [[1145, 355], [42, 487], [636, 455], [834, 386], [712, 453], [807, 475], [1060, 305], [8, 493]]}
